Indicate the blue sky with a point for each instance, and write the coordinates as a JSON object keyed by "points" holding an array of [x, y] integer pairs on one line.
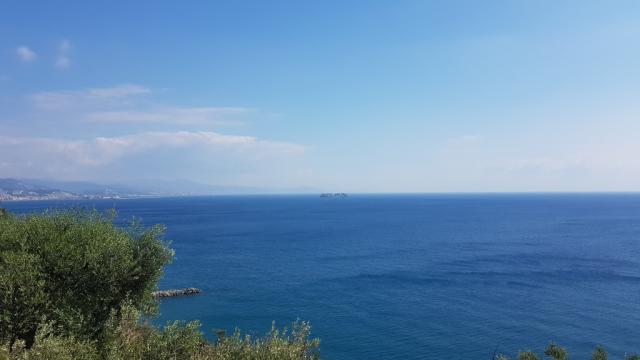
{"points": [[366, 96]]}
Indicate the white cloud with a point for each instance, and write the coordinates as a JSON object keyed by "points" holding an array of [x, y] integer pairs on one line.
{"points": [[93, 97], [65, 45], [62, 62], [102, 151], [63, 59], [543, 164], [124, 104], [167, 115], [25, 54], [151, 146], [119, 91], [107, 149]]}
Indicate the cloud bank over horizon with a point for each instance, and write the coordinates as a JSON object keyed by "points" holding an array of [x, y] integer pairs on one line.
{"points": [[75, 159], [154, 152]]}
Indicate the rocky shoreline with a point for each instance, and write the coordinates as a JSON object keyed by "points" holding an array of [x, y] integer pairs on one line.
{"points": [[176, 292]]}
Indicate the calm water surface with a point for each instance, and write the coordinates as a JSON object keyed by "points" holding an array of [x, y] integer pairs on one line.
{"points": [[406, 277]]}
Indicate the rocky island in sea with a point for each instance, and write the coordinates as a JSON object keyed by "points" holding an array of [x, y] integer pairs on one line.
{"points": [[328, 195]]}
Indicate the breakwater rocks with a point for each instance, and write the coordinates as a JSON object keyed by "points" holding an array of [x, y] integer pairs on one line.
{"points": [[177, 292]]}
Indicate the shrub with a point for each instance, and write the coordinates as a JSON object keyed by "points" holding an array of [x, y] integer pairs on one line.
{"points": [[285, 345], [599, 354], [130, 339], [556, 352], [57, 348], [528, 355]]}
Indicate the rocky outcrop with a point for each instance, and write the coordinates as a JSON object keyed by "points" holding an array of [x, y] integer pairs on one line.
{"points": [[177, 292]]}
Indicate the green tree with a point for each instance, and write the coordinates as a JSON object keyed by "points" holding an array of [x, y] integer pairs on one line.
{"points": [[78, 268], [22, 297]]}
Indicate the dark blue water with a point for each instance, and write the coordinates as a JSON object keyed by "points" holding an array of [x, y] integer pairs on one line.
{"points": [[407, 277]]}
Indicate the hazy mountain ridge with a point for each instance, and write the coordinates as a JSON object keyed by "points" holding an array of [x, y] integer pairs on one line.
{"points": [[16, 185]]}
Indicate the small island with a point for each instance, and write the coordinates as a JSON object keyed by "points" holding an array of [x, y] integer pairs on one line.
{"points": [[328, 195]]}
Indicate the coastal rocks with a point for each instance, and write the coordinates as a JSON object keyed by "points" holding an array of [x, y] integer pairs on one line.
{"points": [[176, 292]]}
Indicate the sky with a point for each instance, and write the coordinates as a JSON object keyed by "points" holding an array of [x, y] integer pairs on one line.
{"points": [[354, 96]]}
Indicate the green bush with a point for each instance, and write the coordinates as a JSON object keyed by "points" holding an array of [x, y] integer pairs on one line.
{"points": [[281, 345], [57, 348], [556, 352], [131, 339], [599, 354], [528, 355]]}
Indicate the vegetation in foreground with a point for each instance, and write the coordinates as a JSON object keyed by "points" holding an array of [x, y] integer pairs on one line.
{"points": [[75, 286], [557, 352]]}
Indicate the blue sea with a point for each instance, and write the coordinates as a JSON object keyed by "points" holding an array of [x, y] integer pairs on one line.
{"points": [[406, 276]]}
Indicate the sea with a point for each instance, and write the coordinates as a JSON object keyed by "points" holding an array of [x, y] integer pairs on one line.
{"points": [[424, 276]]}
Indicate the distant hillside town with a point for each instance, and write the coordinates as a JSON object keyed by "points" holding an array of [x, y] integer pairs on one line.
{"points": [[12, 189], [20, 189]]}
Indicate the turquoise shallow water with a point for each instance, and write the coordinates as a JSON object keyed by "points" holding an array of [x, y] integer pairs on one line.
{"points": [[407, 277]]}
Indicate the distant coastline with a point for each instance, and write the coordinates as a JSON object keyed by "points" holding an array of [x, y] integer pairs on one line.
{"points": [[29, 197], [16, 189]]}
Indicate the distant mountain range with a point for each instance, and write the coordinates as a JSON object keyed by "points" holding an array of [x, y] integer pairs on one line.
{"points": [[39, 189]]}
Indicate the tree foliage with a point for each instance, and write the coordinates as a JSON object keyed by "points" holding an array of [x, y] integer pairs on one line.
{"points": [[23, 301], [72, 269]]}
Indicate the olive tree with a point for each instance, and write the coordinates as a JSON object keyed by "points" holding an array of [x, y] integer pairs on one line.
{"points": [[73, 269], [22, 297]]}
